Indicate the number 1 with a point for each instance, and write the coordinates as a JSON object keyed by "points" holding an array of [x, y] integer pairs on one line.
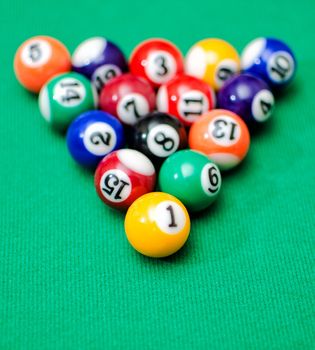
{"points": [[171, 210]]}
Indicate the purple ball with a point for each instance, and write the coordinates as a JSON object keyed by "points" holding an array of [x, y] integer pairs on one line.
{"points": [[249, 97], [99, 60]]}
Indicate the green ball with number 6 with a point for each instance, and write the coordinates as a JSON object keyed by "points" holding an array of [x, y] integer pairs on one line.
{"points": [[192, 178], [64, 97]]}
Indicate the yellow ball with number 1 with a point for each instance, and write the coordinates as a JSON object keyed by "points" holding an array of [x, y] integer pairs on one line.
{"points": [[157, 224], [213, 61]]}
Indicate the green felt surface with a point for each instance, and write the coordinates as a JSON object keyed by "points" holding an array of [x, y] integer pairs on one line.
{"points": [[68, 277]]}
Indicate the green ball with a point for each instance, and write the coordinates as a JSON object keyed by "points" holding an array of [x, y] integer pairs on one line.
{"points": [[64, 97], [192, 178]]}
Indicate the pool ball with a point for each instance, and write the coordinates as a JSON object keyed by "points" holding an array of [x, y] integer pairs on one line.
{"points": [[185, 97], [93, 135], [192, 178], [212, 60], [64, 97], [221, 135], [157, 225], [158, 136], [99, 60], [123, 176], [128, 97], [270, 59], [157, 60], [38, 59], [249, 97]]}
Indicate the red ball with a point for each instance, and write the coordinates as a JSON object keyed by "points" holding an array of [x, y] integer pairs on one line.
{"points": [[123, 176], [186, 98], [128, 97], [157, 60]]}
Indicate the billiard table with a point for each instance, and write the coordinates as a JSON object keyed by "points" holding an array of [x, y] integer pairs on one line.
{"points": [[245, 279]]}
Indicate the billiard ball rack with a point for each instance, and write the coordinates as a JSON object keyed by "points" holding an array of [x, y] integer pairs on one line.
{"points": [[160, 104]]}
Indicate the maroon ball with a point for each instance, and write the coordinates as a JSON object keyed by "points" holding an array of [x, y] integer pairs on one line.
{"points": [[128, 97]]}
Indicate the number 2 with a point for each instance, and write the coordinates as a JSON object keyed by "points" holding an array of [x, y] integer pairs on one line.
{"points": [[97, 138]]}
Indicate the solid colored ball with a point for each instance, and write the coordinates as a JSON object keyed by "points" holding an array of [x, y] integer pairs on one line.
{"points": [[92, 136], [128, 97], [270, 59], [158, 136], [249, 97], [38, 59], [221, 135], [212, 60], [157, 60], [64, 97], [185, 97], [123, 176], [157, 225], [99, 60], [192, 178]]}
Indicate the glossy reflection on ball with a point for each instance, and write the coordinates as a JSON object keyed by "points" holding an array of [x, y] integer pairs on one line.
{"points": [[64, 97], [157, 60], [93, 135], [249, 97], [192, 178], [100, 60], [270, 59], [123, 176], [158, 136], [128, 97], [186, 98], [38, 59], [212, 60], [157, 225], [221, 135]]}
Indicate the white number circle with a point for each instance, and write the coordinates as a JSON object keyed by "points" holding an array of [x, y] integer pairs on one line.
{"points": [[99, 138], [103, 74], [69, 92], [224, 130], [280, 67], [210, 179], [169, 217], [36, 53], [192, 104], [225, 70], [162, 140], [161, 67], [132, 108], [262, 105], [115, 185]]}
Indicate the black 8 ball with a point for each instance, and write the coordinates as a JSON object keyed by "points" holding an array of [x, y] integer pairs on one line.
{"points": [[158, 136]]}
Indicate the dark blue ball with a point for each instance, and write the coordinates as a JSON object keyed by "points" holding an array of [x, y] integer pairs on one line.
{"points": [[271, 60], [93, 135], [249, 97]]}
